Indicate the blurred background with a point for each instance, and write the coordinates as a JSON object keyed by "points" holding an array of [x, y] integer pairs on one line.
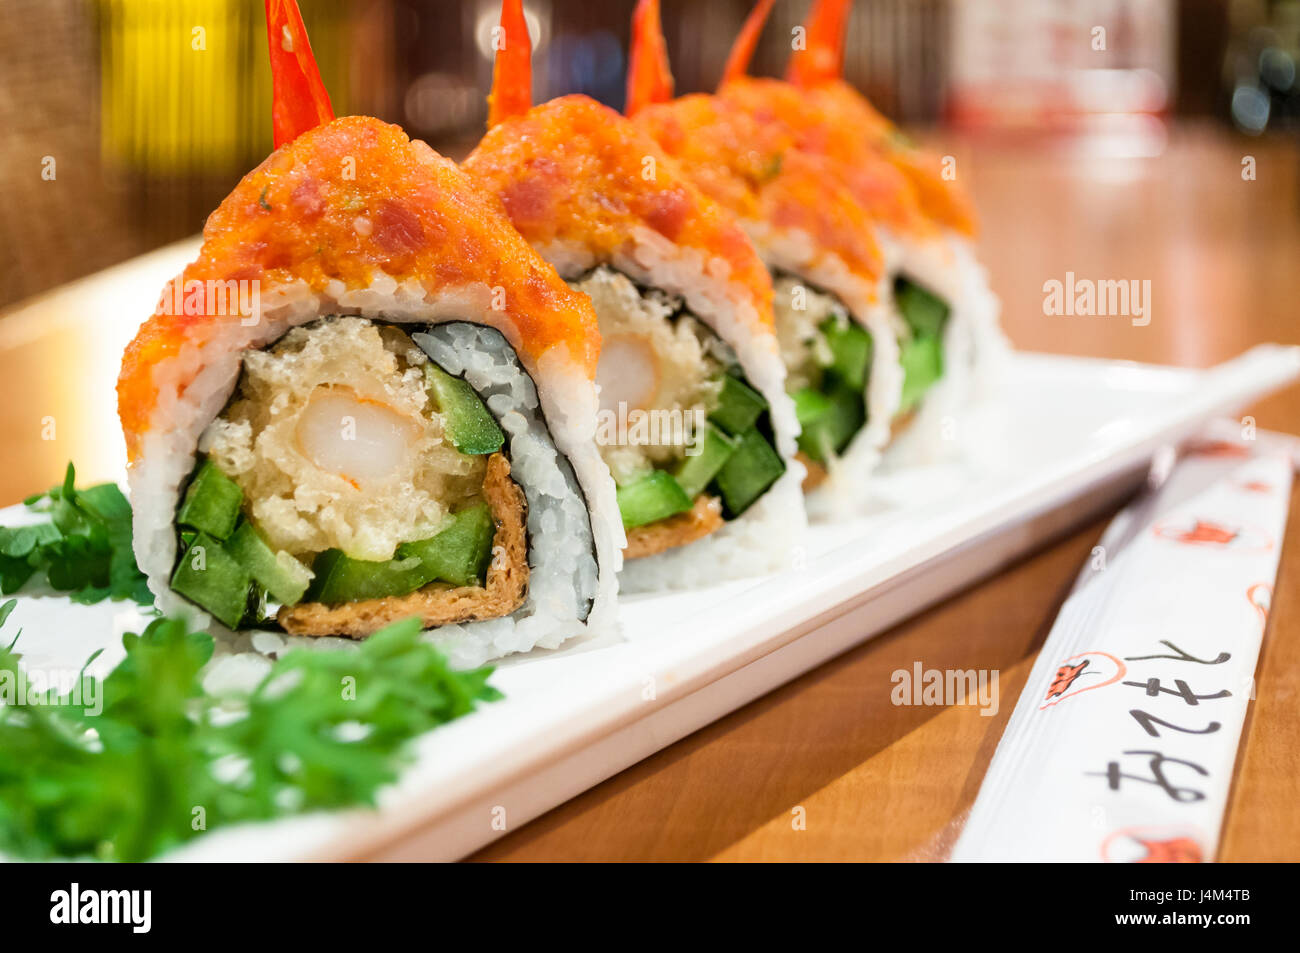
{"points": [[145, 112]]}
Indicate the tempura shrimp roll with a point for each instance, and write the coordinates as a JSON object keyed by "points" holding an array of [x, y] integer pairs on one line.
{"points": [[953, 349], [838, 342], [398, 424], [684, 305]]}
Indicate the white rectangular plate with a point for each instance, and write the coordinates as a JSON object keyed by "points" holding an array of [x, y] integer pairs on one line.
{"points": [[1079, 438]]}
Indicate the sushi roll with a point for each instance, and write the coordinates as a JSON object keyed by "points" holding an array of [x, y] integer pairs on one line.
{"points": [[685, 313], [932, 302], [952, 376], [400, 421], [837, 341]]}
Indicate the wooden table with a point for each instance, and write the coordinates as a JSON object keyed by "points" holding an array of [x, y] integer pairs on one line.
{"points": [[877, 782]]}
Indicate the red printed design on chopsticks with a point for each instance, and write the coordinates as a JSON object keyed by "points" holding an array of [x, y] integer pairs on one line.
{"points": [[1260, 596], [1217, 448], [1206, 532], [1077, 675], [1153, 845]]}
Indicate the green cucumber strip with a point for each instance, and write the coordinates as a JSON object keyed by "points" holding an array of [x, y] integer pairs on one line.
{"points": [[211, 503], [695, 471], [459, 554], [810, 405], [340, 578], [211, 577], [284, 577], [850, 346], [472, 429], [831, 420], [652, 498], [925, 313], [922, 360], [748, 472], [738, 406], [461, 551]]}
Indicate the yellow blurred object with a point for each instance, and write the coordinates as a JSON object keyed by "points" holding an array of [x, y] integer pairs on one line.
{"points": [[185, 85]]}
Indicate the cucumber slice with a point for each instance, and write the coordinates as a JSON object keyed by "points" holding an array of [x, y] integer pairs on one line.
{"points": [[211, 577], [469, 425], [694, 473], [340, 578], [810, 405], [211, 503], [828, 421], [748, 472], [284, 577], [460, 553], [738, 406], [924, 312], [850, 346], [652, 498], [811, 408], [922, 360]]}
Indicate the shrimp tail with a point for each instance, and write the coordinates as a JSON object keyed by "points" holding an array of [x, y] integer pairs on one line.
{"points": [[742, 51], [512, 73], [649, 78], [299, 101], [822, 58]]}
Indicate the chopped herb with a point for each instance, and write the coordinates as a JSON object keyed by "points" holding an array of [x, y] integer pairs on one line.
{"points": [[261, 200], [144, 760], [84, 550], [773, 167]]}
